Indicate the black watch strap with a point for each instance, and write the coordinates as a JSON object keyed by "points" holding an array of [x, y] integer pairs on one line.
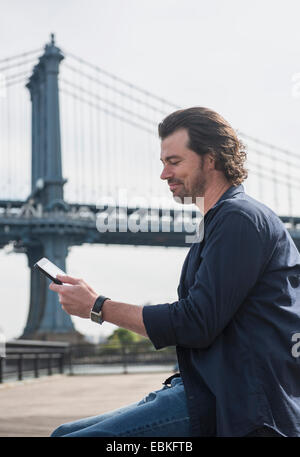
{"points": [[96, 312]]}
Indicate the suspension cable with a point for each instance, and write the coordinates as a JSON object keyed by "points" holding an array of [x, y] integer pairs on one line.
{"points": [[120, 80], [114, 105], [18, 64], [263, 143], [121, 118], [18, 56], [120, 92]]}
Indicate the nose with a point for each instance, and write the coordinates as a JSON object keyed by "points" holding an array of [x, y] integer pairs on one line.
{"points": [[166, 173]]}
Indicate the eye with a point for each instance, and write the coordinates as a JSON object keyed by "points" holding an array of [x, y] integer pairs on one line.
{"points": [[174, 163]]}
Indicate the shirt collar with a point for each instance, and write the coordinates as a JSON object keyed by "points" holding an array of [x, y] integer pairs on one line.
{"points": [[232, 191]]}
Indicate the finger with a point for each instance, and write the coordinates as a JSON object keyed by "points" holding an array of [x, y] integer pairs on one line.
{"points": [[68, 279], [55, 287]]}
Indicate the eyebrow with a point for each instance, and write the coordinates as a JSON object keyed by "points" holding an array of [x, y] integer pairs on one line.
{"points": [[167, 159]]}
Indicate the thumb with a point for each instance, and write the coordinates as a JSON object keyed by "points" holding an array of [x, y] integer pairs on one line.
{"points": [[67, 279]]}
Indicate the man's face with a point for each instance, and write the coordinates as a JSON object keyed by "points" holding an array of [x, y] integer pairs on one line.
{"points": [[183, 168]]}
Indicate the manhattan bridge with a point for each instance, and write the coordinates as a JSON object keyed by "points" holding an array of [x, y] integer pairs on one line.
{"points": [[80, 164]]}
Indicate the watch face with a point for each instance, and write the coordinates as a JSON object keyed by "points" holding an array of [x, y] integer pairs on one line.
{"points": [[96, 317]]}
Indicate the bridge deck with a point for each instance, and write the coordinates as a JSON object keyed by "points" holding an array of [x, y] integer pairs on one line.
{"points": [[36, 407]]}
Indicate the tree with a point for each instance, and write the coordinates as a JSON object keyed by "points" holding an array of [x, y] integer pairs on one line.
{"points": [[122, 336]]}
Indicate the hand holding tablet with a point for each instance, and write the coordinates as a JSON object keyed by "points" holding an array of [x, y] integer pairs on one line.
{"points": [[49, 269]]}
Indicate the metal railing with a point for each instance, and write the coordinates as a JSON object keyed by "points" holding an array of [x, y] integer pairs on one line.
{"points": [[33, 358], [138, 354]]}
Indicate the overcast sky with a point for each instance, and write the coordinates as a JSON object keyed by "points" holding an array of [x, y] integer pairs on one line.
{"points": [[240, 58]]}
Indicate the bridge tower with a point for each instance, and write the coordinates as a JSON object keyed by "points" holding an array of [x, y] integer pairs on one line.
{"points": [[46, 319]]}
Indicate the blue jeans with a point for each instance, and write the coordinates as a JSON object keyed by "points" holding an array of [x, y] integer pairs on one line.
{"points": [[162, 413]]}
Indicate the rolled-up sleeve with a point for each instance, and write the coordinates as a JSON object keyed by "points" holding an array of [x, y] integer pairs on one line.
{"points": [[233, 258]]}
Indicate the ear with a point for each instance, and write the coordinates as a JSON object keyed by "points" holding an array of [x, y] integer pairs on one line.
{"points": [[210, 161]]}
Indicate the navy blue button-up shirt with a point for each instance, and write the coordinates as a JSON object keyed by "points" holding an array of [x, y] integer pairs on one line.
{"points": [[237, 310]]}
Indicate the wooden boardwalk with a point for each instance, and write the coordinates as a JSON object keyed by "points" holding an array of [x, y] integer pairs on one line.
{"points": [[36, 407]]}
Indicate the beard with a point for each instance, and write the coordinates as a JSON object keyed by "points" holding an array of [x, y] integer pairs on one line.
{"points": [[196, 188], [188, 197]]}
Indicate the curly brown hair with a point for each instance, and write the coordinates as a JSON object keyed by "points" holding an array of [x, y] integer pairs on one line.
{"points": [[209, 133]]}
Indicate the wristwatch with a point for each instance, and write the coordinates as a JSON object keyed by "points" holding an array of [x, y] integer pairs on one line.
{"points": [[96, 312]]}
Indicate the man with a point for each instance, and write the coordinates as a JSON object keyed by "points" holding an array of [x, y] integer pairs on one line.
{"points": [[238, 304]]}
